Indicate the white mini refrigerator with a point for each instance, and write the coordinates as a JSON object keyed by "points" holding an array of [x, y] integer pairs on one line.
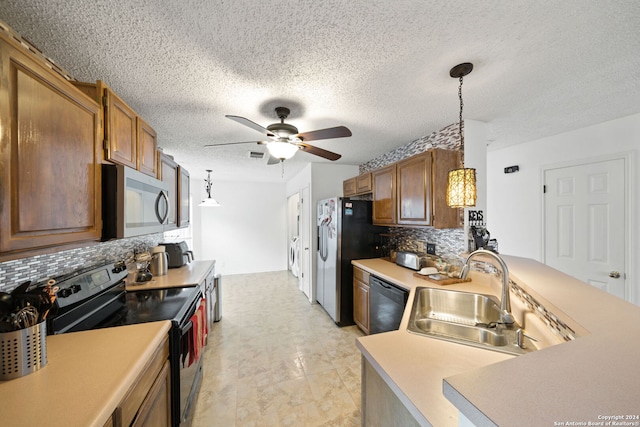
{"points": [[345, 233]]}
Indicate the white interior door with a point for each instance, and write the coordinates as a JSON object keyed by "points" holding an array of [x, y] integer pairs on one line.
{"points": [[305, 239], [585, 224]]}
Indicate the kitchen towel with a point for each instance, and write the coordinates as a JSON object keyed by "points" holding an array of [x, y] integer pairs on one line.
{"points": [[198, 333]]}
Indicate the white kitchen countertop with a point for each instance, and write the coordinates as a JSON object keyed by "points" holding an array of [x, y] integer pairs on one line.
{"points": [[190, 274], [87, 375], [583, 380]]}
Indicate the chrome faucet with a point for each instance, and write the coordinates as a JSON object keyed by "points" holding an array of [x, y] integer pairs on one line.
{"points": [[505, 301]]}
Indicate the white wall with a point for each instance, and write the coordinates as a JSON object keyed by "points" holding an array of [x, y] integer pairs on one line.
{"points": [[248, 233], [515, 200]]}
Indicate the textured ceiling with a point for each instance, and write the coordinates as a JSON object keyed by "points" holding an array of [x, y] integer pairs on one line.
{"points": [[378, 67]]}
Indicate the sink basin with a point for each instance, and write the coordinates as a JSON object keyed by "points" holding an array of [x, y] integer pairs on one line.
{"points": [[463, 317]]}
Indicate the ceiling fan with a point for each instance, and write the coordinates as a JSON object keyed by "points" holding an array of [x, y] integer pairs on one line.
{"points": [[285, 140]]}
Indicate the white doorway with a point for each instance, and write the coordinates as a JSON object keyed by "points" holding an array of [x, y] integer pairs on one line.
{"points": [[586, 225], [305, 240]]}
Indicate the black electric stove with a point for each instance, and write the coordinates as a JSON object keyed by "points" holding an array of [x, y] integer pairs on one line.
{"points": [[96, 297]]}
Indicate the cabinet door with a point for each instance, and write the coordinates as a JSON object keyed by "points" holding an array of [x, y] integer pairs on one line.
{"points": [[361, 299], [120, 130], [156, 408], [50, 179], [364, 184], [414, 190], [147, 141], [444, 216], [169, 173], [184, 192], [349, 187], [384, 195]]}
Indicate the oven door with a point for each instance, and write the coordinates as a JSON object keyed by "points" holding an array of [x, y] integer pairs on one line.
{"points": [[189, 373]]}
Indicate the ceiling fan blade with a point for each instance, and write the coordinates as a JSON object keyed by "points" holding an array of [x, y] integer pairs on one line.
{"points": [[235, 143], [252, 125], [329, 155], [336, 132], [273, 160]]}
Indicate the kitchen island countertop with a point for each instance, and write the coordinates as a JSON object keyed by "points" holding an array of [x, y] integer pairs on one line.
{"points": [[87, 375], [582, 380]]}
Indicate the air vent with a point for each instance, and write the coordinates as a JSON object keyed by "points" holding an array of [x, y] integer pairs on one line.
{"points": [[256, 155]]}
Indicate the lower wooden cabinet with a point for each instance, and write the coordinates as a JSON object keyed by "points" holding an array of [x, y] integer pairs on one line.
{"points": [[148, 401], [361, 299]]}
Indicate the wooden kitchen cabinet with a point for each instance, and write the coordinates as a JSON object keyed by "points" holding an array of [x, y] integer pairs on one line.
{"points": [[412, 192], [364, 183], [384, 195], [127, 138], [358, 185], [361, 299], [50, 178], [168, 169], [148, 401], [147, 141], [184, 200], [349, 187]]}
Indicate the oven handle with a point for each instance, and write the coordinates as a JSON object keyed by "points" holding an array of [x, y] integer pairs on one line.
{"points": [[186, 328]]}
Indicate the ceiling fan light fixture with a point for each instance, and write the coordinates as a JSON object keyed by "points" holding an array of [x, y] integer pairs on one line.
{"points": [[461, 185], [282, 150]]}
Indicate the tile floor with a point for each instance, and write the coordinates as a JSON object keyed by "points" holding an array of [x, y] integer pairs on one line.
{"points": [[276, 360]]}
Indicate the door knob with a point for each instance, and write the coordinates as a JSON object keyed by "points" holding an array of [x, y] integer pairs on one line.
{"points": [[614, 274]]}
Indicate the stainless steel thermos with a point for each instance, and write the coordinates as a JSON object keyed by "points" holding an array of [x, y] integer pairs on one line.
{"points": [[159, 261]]}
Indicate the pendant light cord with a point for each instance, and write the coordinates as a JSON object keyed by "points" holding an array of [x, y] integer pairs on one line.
{"points": [[460, 125]]}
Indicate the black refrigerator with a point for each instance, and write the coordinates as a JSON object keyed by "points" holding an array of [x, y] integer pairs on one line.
{"points": [[345, 233]]}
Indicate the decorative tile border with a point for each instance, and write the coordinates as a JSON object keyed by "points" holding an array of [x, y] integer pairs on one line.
{"points": [[556, 325], [42, 267]]}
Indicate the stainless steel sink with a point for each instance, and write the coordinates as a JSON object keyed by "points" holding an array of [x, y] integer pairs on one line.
{"points": [[464, 317]]}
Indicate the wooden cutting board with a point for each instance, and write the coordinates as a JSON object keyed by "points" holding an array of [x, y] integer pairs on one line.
{"points": [[449, 281]]}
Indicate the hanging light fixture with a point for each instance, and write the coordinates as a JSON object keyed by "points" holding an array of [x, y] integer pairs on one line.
{"points": [[209, 201], [461, 187]]}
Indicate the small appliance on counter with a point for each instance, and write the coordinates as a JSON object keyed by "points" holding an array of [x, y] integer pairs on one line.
{"points": [[159, 261], [179, 253], [411, 260]]}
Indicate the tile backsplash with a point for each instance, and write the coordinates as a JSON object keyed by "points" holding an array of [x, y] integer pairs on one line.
{"points": [[449, 242], [41, 267]]}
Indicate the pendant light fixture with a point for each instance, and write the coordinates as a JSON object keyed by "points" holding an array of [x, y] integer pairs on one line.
{"points": [[461, 187], [209, 201]]}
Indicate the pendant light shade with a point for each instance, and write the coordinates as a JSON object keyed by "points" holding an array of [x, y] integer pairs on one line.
{"points": [[461, 186], [282, 150], [209, 201], [461, 189]]}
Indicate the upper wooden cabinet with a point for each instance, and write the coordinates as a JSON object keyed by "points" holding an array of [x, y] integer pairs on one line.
{"points": [[184, 199], [384, 195], [128, 139], [358, 185], [169, 173], [364, 183], [413, 191], [349, 187], [50, 176], [147, 148]]}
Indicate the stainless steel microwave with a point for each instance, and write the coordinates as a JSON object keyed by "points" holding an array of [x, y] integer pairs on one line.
{"points": [[133, 204]]}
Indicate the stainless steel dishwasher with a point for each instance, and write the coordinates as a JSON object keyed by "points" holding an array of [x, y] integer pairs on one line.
{"points": [[386, 305]]}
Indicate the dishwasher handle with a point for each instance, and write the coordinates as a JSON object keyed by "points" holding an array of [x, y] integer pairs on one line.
{"points": [[387, 289]]}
